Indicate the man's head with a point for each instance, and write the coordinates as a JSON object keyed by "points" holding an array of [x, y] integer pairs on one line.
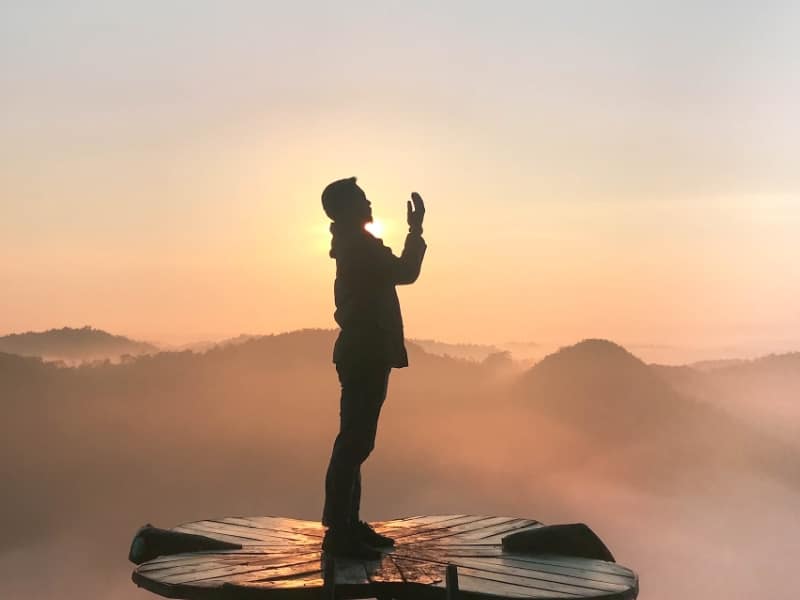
{"points": [[345, 202]]}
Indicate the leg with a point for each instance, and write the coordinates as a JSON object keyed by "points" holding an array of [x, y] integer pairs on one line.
{"points": [[355, 497], [363, 393], [378, 386]]}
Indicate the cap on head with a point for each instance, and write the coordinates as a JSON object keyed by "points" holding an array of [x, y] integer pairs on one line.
{"points": [[339, 197]]}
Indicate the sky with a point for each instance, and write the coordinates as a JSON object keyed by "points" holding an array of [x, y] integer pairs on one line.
{"points": [[626, 170]]}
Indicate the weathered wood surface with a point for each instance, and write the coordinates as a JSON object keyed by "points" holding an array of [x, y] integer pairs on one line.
{"points": [[281, 558]]}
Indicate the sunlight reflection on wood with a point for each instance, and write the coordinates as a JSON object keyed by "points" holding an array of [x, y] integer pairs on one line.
{"points": [[281, 556]]}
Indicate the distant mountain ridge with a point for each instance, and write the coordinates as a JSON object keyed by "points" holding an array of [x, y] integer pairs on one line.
{"points": [[73, 344], [608, 401], [475, 352], [764, 391]]}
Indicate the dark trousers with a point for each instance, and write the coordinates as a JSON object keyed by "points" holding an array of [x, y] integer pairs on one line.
{"points": [[363, 392]]}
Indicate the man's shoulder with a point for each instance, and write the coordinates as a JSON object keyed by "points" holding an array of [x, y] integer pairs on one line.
{"points": [[365, 245]]}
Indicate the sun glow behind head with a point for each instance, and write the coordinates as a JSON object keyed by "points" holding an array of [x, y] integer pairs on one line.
{"points": [[375, 228]]}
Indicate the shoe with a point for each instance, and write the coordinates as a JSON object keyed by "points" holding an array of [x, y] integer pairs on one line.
{"points": [[343, 543], [371, 537]]}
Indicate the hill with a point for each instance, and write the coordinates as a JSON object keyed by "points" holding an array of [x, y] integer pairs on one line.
{"points": [[647, 430], [73, 344], [602, 388]]}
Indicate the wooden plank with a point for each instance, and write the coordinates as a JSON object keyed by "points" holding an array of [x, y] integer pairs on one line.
{"points": [[564, 567], [177, 560], [486, 527], [206, 565], [425, 523], [413, 518], [279, 535], [481, 523], [419, 534], [497, 553], [386, 571], [312, 528], [278, 522], [276, 573], [427, 520], [542, 580], [217, 535], [558, 573], [574, 562], [421, 555], [404, 531], [283, 530], [540, 585], [311, 580], [501, 531], [488, 587], [229, 570], [417, 571], [159, 571], [236, 530], [290, 522], [222, 555], [403, 528], [497, 538]]}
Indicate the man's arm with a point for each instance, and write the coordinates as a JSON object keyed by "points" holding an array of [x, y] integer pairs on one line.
{"points": [[375, 260], [404, 269]]}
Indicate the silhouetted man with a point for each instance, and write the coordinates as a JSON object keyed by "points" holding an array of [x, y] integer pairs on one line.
{"points": [[369, 345]]}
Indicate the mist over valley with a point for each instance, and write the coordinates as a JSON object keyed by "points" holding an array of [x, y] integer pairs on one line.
{"points": [[667, 464]]}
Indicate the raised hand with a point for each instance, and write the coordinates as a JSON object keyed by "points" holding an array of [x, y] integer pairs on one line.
{"points": [[416, 215]]}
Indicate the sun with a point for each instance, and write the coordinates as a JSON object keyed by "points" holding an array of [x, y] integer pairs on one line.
{"points": [[375, 228]]}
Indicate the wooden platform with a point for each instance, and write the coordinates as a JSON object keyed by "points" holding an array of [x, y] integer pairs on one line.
{"points": [[281, 558]]}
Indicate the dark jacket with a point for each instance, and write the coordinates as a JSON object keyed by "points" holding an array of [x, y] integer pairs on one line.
{"points": [[367, 307]]}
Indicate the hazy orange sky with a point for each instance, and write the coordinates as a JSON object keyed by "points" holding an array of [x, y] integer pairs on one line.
{"points": [[627, 170]]}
